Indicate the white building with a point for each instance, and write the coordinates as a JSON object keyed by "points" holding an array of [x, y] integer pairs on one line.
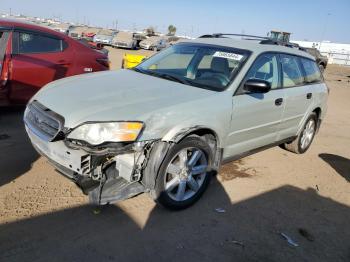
{"points": [[337, 53]]}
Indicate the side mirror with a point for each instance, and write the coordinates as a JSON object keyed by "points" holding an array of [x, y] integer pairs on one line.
{"points": [[257, 86]]}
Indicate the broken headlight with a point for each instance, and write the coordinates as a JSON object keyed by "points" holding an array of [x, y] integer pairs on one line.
{"points": [[98, 133]]}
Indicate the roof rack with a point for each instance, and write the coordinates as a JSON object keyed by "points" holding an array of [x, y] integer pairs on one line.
{"points": [[246, 37], [264, 40], [288, 44]]}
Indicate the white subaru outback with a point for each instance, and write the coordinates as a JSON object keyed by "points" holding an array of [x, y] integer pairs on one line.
{"points": [[165, 126]]}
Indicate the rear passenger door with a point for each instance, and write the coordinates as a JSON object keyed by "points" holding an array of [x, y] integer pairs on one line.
{"points": [[298, 96], [256, 116], [37, 59]]}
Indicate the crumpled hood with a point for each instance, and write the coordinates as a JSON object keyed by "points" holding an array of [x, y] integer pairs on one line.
{"points": [[115, 95]]}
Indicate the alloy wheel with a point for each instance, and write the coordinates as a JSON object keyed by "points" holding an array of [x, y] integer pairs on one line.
{"points": [[185, 174], [308, 134]]}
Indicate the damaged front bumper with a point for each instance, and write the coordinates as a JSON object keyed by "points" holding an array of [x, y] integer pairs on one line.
{"points": [[106, 176]]}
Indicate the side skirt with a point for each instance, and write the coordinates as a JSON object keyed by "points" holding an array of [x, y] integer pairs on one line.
{"points": [[253, 151]]}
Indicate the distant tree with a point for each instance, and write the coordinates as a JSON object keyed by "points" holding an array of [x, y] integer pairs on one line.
{"points": [[171, 30], [150, 31]]}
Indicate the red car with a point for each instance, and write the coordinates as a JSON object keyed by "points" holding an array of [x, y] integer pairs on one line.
{"points": [[32, 56]]}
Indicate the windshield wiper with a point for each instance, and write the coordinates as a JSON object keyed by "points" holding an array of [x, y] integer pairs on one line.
{"points": [[137, 70], [172, 78], [162, 75]]}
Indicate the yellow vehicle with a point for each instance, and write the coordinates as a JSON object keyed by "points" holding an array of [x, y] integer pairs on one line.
{"points": [[131, 60]]}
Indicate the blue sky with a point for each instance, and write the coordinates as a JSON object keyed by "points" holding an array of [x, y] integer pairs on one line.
{"points": [[307, 19]]}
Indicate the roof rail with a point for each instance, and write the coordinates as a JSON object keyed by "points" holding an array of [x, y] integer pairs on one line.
{"points": [[264, 40], [246, 37], [288, 44]]}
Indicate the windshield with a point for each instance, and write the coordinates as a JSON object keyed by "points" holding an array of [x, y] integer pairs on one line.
{"points": [[206, 66]]}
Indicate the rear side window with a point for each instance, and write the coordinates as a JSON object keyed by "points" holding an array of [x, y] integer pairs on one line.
{"points": [[292, 74], [36, 43], [312, 72]]}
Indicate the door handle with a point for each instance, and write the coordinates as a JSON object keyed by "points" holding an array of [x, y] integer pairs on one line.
{"points": [[278, 101], [308, 95]]}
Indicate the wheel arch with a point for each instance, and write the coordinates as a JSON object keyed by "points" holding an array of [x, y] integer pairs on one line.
{"points": [[318, 112], [209, 135]]}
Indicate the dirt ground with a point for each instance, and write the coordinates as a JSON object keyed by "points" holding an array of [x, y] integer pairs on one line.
{"points": [[44, 217]]}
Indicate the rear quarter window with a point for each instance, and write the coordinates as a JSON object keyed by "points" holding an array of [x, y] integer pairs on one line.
{"points": [[312, 72]]}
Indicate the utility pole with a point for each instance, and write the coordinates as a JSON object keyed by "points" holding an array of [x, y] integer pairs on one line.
{"points": [[116, 24], [324, 30]]}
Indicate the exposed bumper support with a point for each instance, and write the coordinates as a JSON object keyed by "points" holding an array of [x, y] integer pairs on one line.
{"points": [[106, 177]]}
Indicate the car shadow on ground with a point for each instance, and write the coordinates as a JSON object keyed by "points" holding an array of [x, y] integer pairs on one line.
{"points": [[338, 163], [17, 153], [244, 231]]}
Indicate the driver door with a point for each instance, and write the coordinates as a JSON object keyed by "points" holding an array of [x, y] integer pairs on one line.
{"points": [[256, 116]]}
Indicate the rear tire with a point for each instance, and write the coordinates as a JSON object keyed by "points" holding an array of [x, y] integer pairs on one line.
{"points": [[321, 67], [303, 141], [183, 176]]}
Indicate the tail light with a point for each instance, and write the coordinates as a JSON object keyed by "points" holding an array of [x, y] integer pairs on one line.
{"points": [[5, 71], [103, 61]]}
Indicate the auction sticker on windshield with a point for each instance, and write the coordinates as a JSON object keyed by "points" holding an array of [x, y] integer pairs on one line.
{"points": [[232, 56]]}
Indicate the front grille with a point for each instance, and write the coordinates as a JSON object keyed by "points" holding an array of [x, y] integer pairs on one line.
{"points": [[85, 164], [42, 121]]}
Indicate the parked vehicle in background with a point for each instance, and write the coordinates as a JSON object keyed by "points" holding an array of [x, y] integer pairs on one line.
{"points": [[32, 56], [104, 36], [77, 32], [90, 33], [166, 125], [124, 40], [154, 43], [97, 46], [321, 60], [131, 60], [139, 37], [62, 28], [171, 40]]}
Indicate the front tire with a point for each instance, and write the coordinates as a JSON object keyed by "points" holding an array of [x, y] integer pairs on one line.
{"points": [[303, 141], [184, 174]]}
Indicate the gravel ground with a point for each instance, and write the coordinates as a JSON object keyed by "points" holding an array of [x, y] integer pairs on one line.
{"points": [[44, 217]]}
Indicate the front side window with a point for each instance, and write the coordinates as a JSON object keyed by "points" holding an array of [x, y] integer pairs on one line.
{"points": [[265, 68], [35, 43], [205, 66], [312, 72], [292, 75]]}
